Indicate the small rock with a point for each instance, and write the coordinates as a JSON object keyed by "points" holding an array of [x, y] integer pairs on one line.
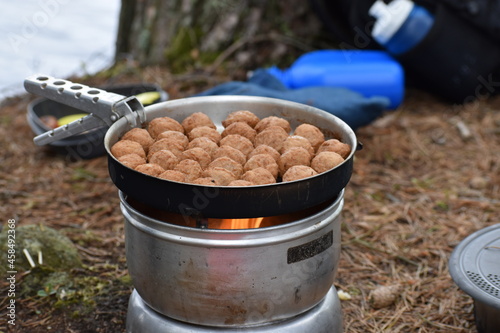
{"points": [[479, 183], [384, 296]]}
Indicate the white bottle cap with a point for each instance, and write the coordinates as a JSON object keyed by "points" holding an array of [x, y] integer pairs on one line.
{"points": [[389, 18]]}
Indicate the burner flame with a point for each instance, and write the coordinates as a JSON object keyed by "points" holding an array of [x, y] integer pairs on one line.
{"points": [[251, 223]]}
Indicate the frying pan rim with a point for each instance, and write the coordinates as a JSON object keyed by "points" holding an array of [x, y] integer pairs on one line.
{"points": [[258, 99]]}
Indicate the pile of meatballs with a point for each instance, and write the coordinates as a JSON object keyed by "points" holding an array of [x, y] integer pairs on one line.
{"points": [[249, 151]]}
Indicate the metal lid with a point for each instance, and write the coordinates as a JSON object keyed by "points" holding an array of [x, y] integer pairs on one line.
{"points": [[475, 265]]}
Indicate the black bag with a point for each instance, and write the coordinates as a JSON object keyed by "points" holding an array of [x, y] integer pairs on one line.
{"points": [[459, 59], [483, 14]]}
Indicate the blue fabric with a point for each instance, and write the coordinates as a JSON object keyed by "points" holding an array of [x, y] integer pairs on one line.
{"points": [[353, 108]]}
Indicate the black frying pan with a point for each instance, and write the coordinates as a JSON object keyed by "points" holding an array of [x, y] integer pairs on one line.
{"points": [[197, 200]]}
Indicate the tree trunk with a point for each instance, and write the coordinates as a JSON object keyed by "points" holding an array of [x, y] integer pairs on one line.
{"points": [[184, 34]]}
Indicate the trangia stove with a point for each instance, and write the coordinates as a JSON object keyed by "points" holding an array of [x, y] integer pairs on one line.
{"points": [[276, 278]]}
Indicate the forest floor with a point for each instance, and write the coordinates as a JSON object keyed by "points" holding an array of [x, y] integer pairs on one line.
{"points": [[428, 176]]}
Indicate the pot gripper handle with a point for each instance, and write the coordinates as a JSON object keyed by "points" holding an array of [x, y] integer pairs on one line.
{"points": [[104, 107]]}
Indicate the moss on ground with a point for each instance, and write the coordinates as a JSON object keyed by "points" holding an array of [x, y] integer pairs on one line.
{"points": [[40, 244], [58, 274]]}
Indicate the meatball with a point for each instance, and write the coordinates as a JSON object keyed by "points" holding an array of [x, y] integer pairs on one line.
{"points": [[265, 149], [166, 144], [132, 160], [197, 119], [180, 139], [298, 172], [191, 168], [150, 169], [242, 129], [173, 175], [259, 176], [162, 124], [197, 154], [239, 142], [125, 147], [139, 135], [311, 133], [204, 132], [228, 164], [245, 116], [222, 176], [204, 143], [207, 181], [240, 182], [230, 152], [164, 158], [294, 156], [325, 161], [297, 141], [265, 161], [336, 146], [273, 136], [273, 121]]}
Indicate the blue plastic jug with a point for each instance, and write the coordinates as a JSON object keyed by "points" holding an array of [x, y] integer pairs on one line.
{"points": [[370, 73], [400, 25]]}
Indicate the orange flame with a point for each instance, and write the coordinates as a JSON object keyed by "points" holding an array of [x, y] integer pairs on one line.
{"points": [[236, 223]]}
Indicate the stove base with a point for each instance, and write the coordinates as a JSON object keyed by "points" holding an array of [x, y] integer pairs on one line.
{"points": [[326, 317]]}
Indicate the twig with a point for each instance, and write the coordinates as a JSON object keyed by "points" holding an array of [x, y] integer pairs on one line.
{"points": [[463, 130], [358, 240], [427, 321], [397, 256], [93, 252], [28, 256]]}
